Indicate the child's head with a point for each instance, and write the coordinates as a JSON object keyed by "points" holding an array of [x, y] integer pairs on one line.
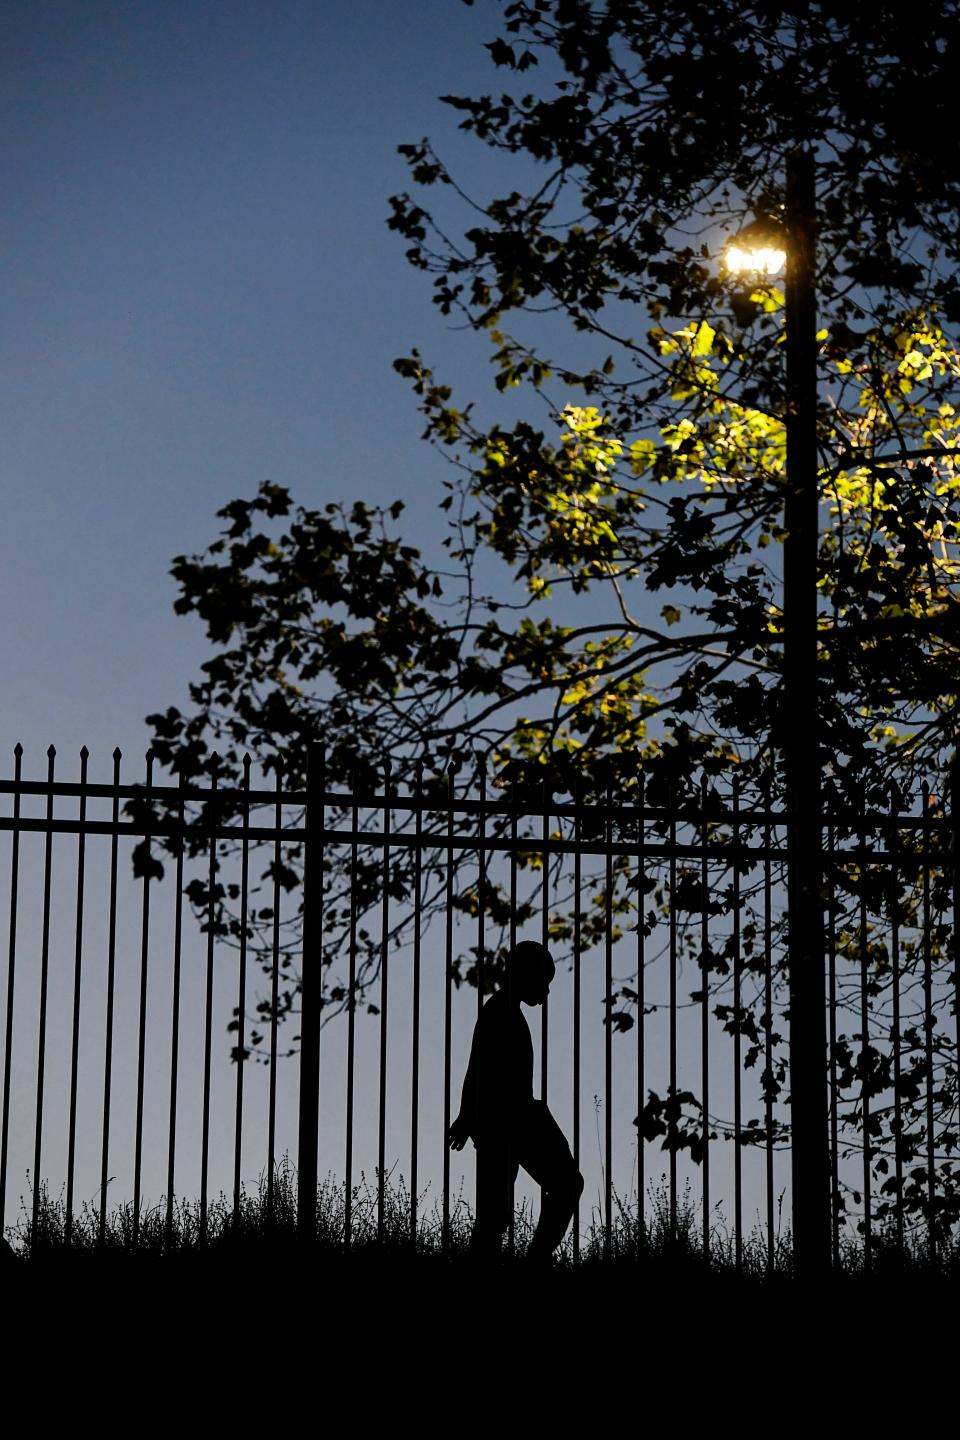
{"points": [[531, 971]]}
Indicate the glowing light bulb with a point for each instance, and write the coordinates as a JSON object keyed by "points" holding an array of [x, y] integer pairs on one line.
{"points": [[760, 259]]}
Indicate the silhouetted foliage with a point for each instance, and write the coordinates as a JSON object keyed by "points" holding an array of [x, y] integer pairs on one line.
{"points": [[646, 461]]}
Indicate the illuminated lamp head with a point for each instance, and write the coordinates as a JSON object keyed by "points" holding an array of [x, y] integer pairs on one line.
{"points": [[759, 249]]}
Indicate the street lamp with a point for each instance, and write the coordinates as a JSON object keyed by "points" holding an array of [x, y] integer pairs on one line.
{"points": [[759, 249], [764, 248]]}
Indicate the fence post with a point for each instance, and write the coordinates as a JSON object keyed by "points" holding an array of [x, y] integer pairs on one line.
{"points": [[311, 998], [955, 895], [810, 1162]]}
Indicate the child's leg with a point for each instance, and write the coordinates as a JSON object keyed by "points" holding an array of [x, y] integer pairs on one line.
{"points": [[547, 1158], [494, 1197]]}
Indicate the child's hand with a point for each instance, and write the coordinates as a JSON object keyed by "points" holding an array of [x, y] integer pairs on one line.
{"points": [[459, 1133]]}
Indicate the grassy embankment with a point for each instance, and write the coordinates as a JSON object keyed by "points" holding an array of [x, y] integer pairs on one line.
{"points": [[261, 1240]]}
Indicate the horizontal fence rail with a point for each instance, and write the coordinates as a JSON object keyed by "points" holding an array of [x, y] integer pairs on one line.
{"points": [[201, 980]]}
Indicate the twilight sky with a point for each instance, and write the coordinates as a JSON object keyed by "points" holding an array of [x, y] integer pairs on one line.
{"points": [[199, 293]]}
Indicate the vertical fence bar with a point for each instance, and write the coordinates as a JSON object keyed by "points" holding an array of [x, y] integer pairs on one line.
{"points": [[577, 882], [44, 978], [311, 998], [242, 980], [208, 1001], [11, 980], [928, 1023], [175, 1011], [955, 902], [737, 1058], [481, 925], [672, 1106], [447, 1001], [768, 1014], [865, 1041], [641, 1011], [415, 1039], [608, 1033], [705, 1012], [545, 937], [111, 982], [511, 1229], [351, 1019], [77, 976], [384, 996], [835, 1211], [481, 887], [896, 1036], [142, 1027], [274, 992]]}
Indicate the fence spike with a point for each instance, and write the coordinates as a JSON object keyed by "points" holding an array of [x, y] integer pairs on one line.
{"points": [[51, 751], [84, 753], [18, 749], [118, 754]]}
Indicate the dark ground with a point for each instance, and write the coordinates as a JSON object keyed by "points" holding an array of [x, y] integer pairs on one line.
{"points": [[268, 1335]]}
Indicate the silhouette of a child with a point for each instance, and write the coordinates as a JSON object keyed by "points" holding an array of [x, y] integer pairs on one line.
{"points": [[509, 1128]]}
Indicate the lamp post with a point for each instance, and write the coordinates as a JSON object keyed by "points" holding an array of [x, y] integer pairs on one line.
{"points": [[764, 248]]}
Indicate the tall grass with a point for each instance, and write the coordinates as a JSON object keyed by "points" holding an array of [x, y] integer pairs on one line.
{"points": [[266, 1220]]}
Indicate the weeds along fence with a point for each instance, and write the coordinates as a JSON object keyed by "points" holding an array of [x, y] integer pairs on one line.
{"points": [[202, 979]]}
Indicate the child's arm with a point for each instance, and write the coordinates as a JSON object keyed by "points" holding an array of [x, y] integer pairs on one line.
{"points": [[465, 1125]]}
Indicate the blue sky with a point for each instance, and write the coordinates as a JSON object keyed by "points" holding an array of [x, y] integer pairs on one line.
{"points": [[199, 293]]}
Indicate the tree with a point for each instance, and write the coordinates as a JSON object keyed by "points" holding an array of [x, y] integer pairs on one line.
{"points": [[647, 460]]}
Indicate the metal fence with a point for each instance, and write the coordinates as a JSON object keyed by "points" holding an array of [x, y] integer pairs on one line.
{"points": [[139, 1053]]}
